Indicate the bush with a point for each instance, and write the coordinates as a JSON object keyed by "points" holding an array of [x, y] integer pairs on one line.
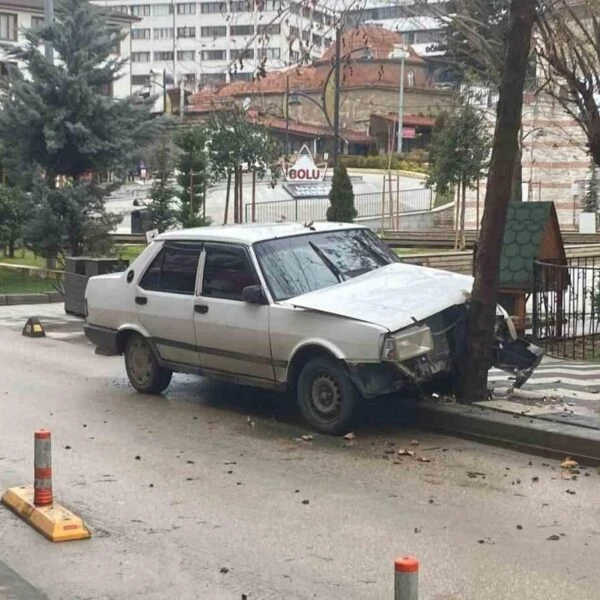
{"points": [[341, 197], [415, 162]]}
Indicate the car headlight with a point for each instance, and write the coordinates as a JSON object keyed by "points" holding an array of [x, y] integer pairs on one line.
{"points": [[406, 344]]}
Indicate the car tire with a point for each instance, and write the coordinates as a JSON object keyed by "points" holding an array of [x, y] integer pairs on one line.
{"points": [[326, 396], [143, 370]]}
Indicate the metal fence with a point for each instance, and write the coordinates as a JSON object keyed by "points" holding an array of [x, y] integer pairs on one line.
{"points": [[566, 307], [367, 205]]}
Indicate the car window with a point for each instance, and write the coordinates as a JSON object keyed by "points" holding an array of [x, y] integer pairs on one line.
{"points": [[173, 270], [297, 265], [227, 271]]}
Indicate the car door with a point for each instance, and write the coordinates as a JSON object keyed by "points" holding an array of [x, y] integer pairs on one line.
{"points": [[232, 335], [165, 301]]}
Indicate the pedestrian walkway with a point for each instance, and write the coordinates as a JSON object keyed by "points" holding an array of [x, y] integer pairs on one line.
{"points": [[557, 378]]}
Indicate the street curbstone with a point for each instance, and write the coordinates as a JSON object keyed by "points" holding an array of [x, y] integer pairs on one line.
{"points": [[523, 432]]}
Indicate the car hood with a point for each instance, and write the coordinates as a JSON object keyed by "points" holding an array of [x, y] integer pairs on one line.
{"points": [[393, 296]]}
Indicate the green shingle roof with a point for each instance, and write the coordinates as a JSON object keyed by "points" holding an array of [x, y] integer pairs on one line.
{"points": [[525, 226]]}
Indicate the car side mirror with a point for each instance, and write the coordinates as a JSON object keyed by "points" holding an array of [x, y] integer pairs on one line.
{"points": [[254, 294]]}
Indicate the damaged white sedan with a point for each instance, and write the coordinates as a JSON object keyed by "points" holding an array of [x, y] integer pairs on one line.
{"points": [[325, 311]]}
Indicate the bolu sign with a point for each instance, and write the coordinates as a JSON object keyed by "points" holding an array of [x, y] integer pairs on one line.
{"points": [[304, 169]]}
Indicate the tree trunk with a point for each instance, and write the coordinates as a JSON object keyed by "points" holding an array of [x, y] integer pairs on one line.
{"points": [[456, 192], [463, 208], [241, 197], [472, 383], [227, 198], [236, 195]]}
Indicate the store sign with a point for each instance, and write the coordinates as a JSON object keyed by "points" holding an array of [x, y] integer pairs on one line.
{"points": [[304, 169], [308, 190], [409, 133]]}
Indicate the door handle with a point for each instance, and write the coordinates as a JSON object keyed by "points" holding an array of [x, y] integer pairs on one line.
{"points": [[141, 300], [201, 308]]}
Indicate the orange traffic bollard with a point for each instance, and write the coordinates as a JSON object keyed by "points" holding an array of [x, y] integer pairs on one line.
{"points": [[406, 578], [42, 476]]}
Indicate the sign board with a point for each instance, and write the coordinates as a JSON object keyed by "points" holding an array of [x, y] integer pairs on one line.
{"points": [[308, 190], [409, 133], [304, 169], [150, 235]]}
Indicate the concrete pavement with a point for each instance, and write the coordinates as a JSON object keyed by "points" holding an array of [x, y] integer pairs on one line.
{"points": [[208, 493]]}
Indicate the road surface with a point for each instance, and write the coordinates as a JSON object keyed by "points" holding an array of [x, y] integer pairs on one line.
{"points": [[207, 493]]}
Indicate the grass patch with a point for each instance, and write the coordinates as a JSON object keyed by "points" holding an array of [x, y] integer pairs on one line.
{"points": [[24, 257], [13, 282], [128, 251]]}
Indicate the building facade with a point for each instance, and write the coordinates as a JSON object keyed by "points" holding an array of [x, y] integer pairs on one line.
{"points": [[17, 15]]}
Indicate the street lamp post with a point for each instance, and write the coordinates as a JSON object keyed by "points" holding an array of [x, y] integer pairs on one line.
{"points": [[400, 52], [336, 102]]}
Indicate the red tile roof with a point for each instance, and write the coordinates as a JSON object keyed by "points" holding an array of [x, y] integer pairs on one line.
{"points": [[408, 120], [350, 135]]}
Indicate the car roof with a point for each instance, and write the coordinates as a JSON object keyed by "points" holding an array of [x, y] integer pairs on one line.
{"points": [[249, 233]]}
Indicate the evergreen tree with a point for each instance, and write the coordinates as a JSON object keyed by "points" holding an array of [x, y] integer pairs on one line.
{"points": [[590, 200], [341, 197], [194, 172], [162, 213], [59, 123], [12, 216]]}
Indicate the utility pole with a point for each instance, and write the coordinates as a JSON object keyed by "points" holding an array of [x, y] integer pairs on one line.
{"points": [[287, 116], [48, 20], [164, 87], [181, 98], [336, 103], [401, 102]]}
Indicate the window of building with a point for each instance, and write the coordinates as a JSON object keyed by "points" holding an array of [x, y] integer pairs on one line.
{"points": [[241, 53], [212, 78], [163, 55], [186, 8], [213, 7], [162, 10], [306, 12], [327, 42], [122, 9], [241, 30], [272, 6], [241, 76], [295, 56], [190, 78], [37, 22], [270, 29], [213, 32], [8, 27], [410, 78], [295, 9], [140, 10], [317, 40], [270, 53], [140, 34], [186, 32], [163, 33], [173, 270], [305, 36], [213, 54], [140, 80], [227, 271], [186, 55], [240, 6], [294, 32], [140, 57]]}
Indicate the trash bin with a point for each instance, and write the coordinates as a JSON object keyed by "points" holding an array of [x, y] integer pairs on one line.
{"points": [[140, 220], [78, 269]]}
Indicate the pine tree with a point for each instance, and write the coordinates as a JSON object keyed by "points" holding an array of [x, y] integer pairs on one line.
{"points": [[60, 123], [590, 200], [194, 171], [341, 197], [162, 213]]}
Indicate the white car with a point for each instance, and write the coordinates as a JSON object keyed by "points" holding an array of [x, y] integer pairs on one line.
{"points": [[326, 311]]}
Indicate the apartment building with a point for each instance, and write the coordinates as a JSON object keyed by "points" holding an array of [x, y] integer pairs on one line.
{"points": [[17, 15], [205, 42]]}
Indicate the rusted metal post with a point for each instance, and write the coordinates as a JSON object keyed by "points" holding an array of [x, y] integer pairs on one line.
{"points": [[42, 473]]}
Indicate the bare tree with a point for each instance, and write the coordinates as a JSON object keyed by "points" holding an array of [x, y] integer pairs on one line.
{"points": [[472, 385], [569, 52]]}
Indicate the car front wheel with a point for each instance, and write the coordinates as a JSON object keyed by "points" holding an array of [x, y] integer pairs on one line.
{"points": [[143, 370], [327, 398]]}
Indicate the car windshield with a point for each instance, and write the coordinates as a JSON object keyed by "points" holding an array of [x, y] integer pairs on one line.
{"points": [[297, 265]]}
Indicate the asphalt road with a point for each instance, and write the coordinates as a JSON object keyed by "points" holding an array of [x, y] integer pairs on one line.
{"points": [[206, 493]]}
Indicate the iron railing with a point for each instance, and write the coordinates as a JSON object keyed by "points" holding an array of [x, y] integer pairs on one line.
{"points": [[367, 205], [566, 307]]}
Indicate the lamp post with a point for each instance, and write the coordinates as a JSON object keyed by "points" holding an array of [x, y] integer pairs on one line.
{"points": [[402, 54], [336, 101]]}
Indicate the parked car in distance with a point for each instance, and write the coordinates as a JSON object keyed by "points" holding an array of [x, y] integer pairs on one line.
{"points": [[325, 311]]}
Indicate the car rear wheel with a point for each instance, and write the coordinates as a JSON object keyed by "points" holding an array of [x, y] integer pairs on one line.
{"points": [[143, 370], [327, 398]]}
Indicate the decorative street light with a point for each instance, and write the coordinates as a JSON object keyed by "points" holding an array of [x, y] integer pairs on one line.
{"points": [[401, 53]]}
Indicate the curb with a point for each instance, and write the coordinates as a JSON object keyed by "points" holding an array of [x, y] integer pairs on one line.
{"points": [[16, 299], [516, 431]]}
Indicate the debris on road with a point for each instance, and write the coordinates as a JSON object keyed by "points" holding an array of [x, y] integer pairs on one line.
{"points": [[404, 452], [519, 527], [224, 570], [138, 457], [305, 501], [349, 436], [414, 442], [553, 538], [568, 463], [305, 438]]}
